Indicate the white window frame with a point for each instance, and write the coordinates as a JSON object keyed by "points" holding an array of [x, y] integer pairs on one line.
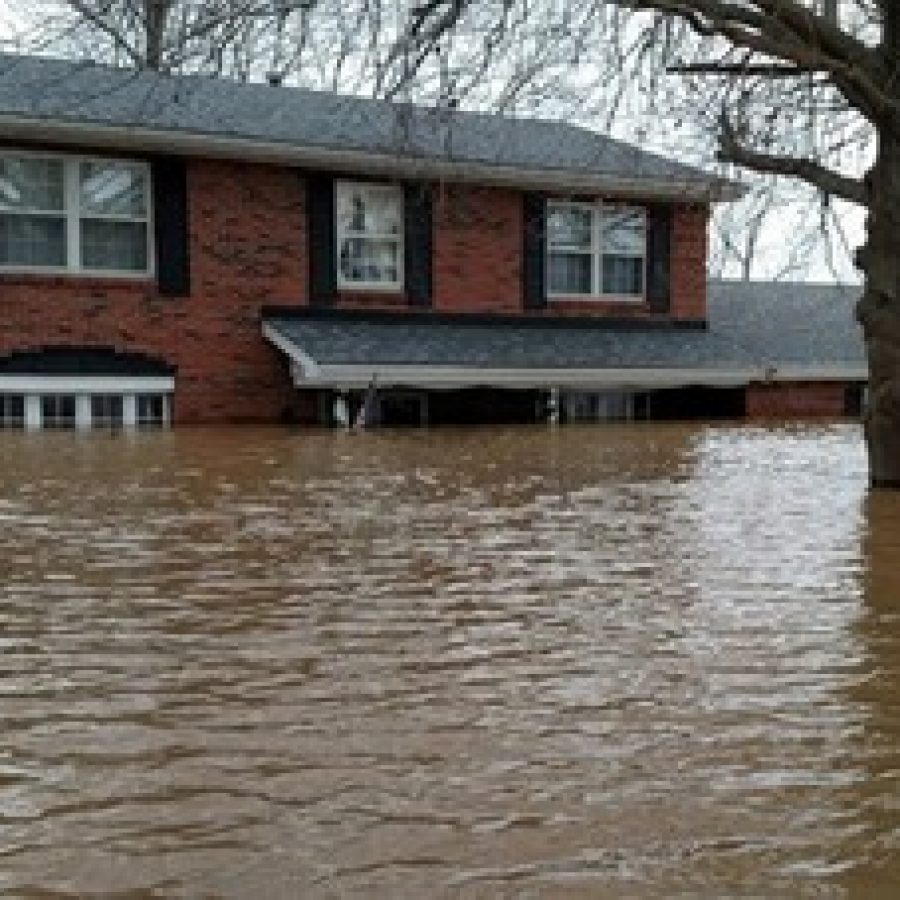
{"points": [[596, 253], [83, 387], [345, 284], [71, 213]]}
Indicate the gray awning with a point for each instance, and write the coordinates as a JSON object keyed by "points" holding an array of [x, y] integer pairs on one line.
{"points": [[745, 341]]}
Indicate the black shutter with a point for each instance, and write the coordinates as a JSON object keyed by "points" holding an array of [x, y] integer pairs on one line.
{"points": [[417, 239], [170, 210], [322, 254], [534, 253], [659, 255]]}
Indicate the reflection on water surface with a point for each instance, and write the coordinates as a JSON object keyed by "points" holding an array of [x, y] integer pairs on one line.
{"points": [[599, 661]]}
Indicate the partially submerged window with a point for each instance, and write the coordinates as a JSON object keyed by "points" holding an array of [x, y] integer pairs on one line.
{"points": [[151, 410], [596, 250], [58, 410], [369, 235], [71, 214], [107, 410], [12, 411]]}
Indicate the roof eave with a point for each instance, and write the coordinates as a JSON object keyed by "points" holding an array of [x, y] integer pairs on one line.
{"points": [[200, 144]]}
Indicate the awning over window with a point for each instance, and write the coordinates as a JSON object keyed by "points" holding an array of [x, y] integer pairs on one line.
{"points": [[768, 341]]}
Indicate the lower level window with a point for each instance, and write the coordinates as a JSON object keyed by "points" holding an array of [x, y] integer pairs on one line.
{"points": [[107, 410], [83, 409], [151, 410], [12, 411], [58, 410]]}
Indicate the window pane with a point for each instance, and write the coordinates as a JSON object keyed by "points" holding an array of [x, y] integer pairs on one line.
{"points": [[624, 232], [12, 411], [569, 226], [369, 210], [623, 275], [569, 273], [366, 260], [32, 240], [150, 409], [31, 183], [107, 410], [113, 189], [58, 411], [117, 246]]}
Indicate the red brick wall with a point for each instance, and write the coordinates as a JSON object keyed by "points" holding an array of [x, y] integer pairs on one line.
{"points": [[689, 252], [787, 400], [247, 249], [478, 250], [478, 261]]}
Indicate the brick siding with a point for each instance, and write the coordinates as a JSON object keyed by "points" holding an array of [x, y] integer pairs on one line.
{"points": [[248, 247], [790, 400]]}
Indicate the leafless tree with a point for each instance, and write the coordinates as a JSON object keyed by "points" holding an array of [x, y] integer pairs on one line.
{"points": [[797, 89], [578, 59]]}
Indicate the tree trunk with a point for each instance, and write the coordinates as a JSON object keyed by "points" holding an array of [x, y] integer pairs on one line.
{"points": [[879, 308], [879, 313]]}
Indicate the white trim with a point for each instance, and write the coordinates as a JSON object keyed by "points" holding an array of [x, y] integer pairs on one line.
{"points": [[129, 410], [138, 138], [452, 377], [72, 215], [309, 367], [83, 413], [34, 416], [86, 384]]}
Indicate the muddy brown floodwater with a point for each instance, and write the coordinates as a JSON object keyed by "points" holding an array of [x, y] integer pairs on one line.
{"points": [[623, 661]]}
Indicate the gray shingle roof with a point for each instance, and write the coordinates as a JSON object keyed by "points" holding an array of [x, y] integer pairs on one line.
{"points": [[81, 93], [751, 326]]}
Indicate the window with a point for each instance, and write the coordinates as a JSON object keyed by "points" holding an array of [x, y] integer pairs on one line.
{"points": [[107, 410], [151, 410], [58, 410], [369, 235], [596, 250], [12, 411], [74, 214]]}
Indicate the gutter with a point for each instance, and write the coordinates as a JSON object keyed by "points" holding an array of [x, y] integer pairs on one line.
{"points": [[202, 144]]}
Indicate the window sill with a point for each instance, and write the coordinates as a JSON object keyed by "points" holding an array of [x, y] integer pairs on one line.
{"points": [[55, 276], [597, 298], [368, 287]]}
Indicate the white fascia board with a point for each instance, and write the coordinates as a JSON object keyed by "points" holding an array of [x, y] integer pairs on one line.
{"points": [[144, 139], [449, 377], [86, 384], [816, 373], [308, 367]]}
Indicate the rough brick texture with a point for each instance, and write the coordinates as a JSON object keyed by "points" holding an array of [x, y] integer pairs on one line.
{"points": [[478, 250], [248, 244], [247, 250], [689, 251], [791, 400]]}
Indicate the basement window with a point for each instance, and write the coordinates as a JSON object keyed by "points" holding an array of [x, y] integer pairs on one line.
{"points": [[107, 410], [38, 405], [12, 411], [58, 411], [151, 410]]}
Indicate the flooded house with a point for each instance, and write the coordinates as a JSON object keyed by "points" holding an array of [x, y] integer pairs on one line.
{"points": [[189, 250]]}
